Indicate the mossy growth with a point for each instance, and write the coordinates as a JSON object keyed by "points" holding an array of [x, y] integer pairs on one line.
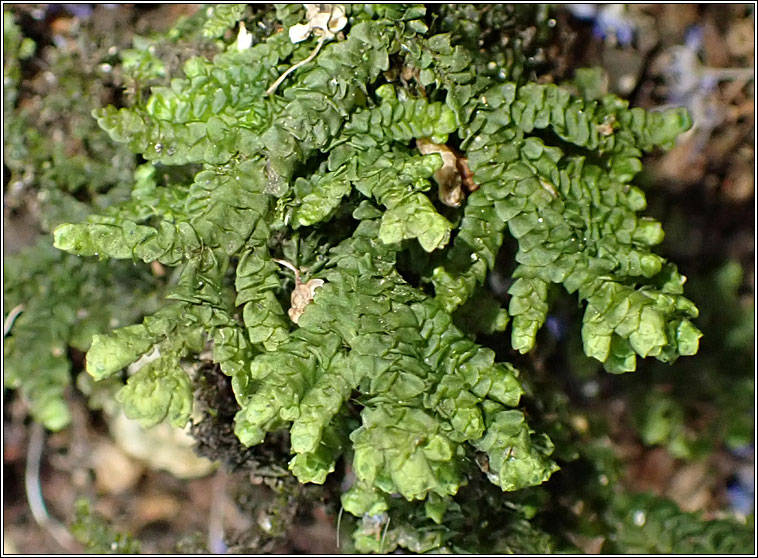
{"points": [[363, 166]]}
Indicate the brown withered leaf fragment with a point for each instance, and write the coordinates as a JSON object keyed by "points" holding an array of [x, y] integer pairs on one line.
{"points": [[447, 176], [302, 294], [467, 177], [606, 128]]}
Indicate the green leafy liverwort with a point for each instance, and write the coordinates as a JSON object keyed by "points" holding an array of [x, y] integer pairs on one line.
{"points": [[305, 133]]}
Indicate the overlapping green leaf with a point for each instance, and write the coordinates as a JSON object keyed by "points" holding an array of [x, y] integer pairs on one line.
{"points": [[282, 136], [159, 391], [221, 17], [421, 389], [575, 224]]}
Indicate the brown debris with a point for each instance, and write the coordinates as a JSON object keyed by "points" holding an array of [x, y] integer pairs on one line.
{"points": [[302, 294], [453, 175]]}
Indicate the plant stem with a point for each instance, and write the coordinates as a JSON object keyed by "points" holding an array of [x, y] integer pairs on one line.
{"points": [[34, 490], [311, 56]]}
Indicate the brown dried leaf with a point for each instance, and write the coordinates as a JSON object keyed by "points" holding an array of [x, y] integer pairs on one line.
{"points": [[302, 294], [447, 177]]}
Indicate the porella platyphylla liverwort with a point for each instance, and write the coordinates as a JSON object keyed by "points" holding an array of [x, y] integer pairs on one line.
{"points": [[337, 158]]}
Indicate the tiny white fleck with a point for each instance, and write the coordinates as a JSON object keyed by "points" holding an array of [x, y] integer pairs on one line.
{"points": [[244, 39], [626, 83], [590, 389], [639, 518], [264, 521]]}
